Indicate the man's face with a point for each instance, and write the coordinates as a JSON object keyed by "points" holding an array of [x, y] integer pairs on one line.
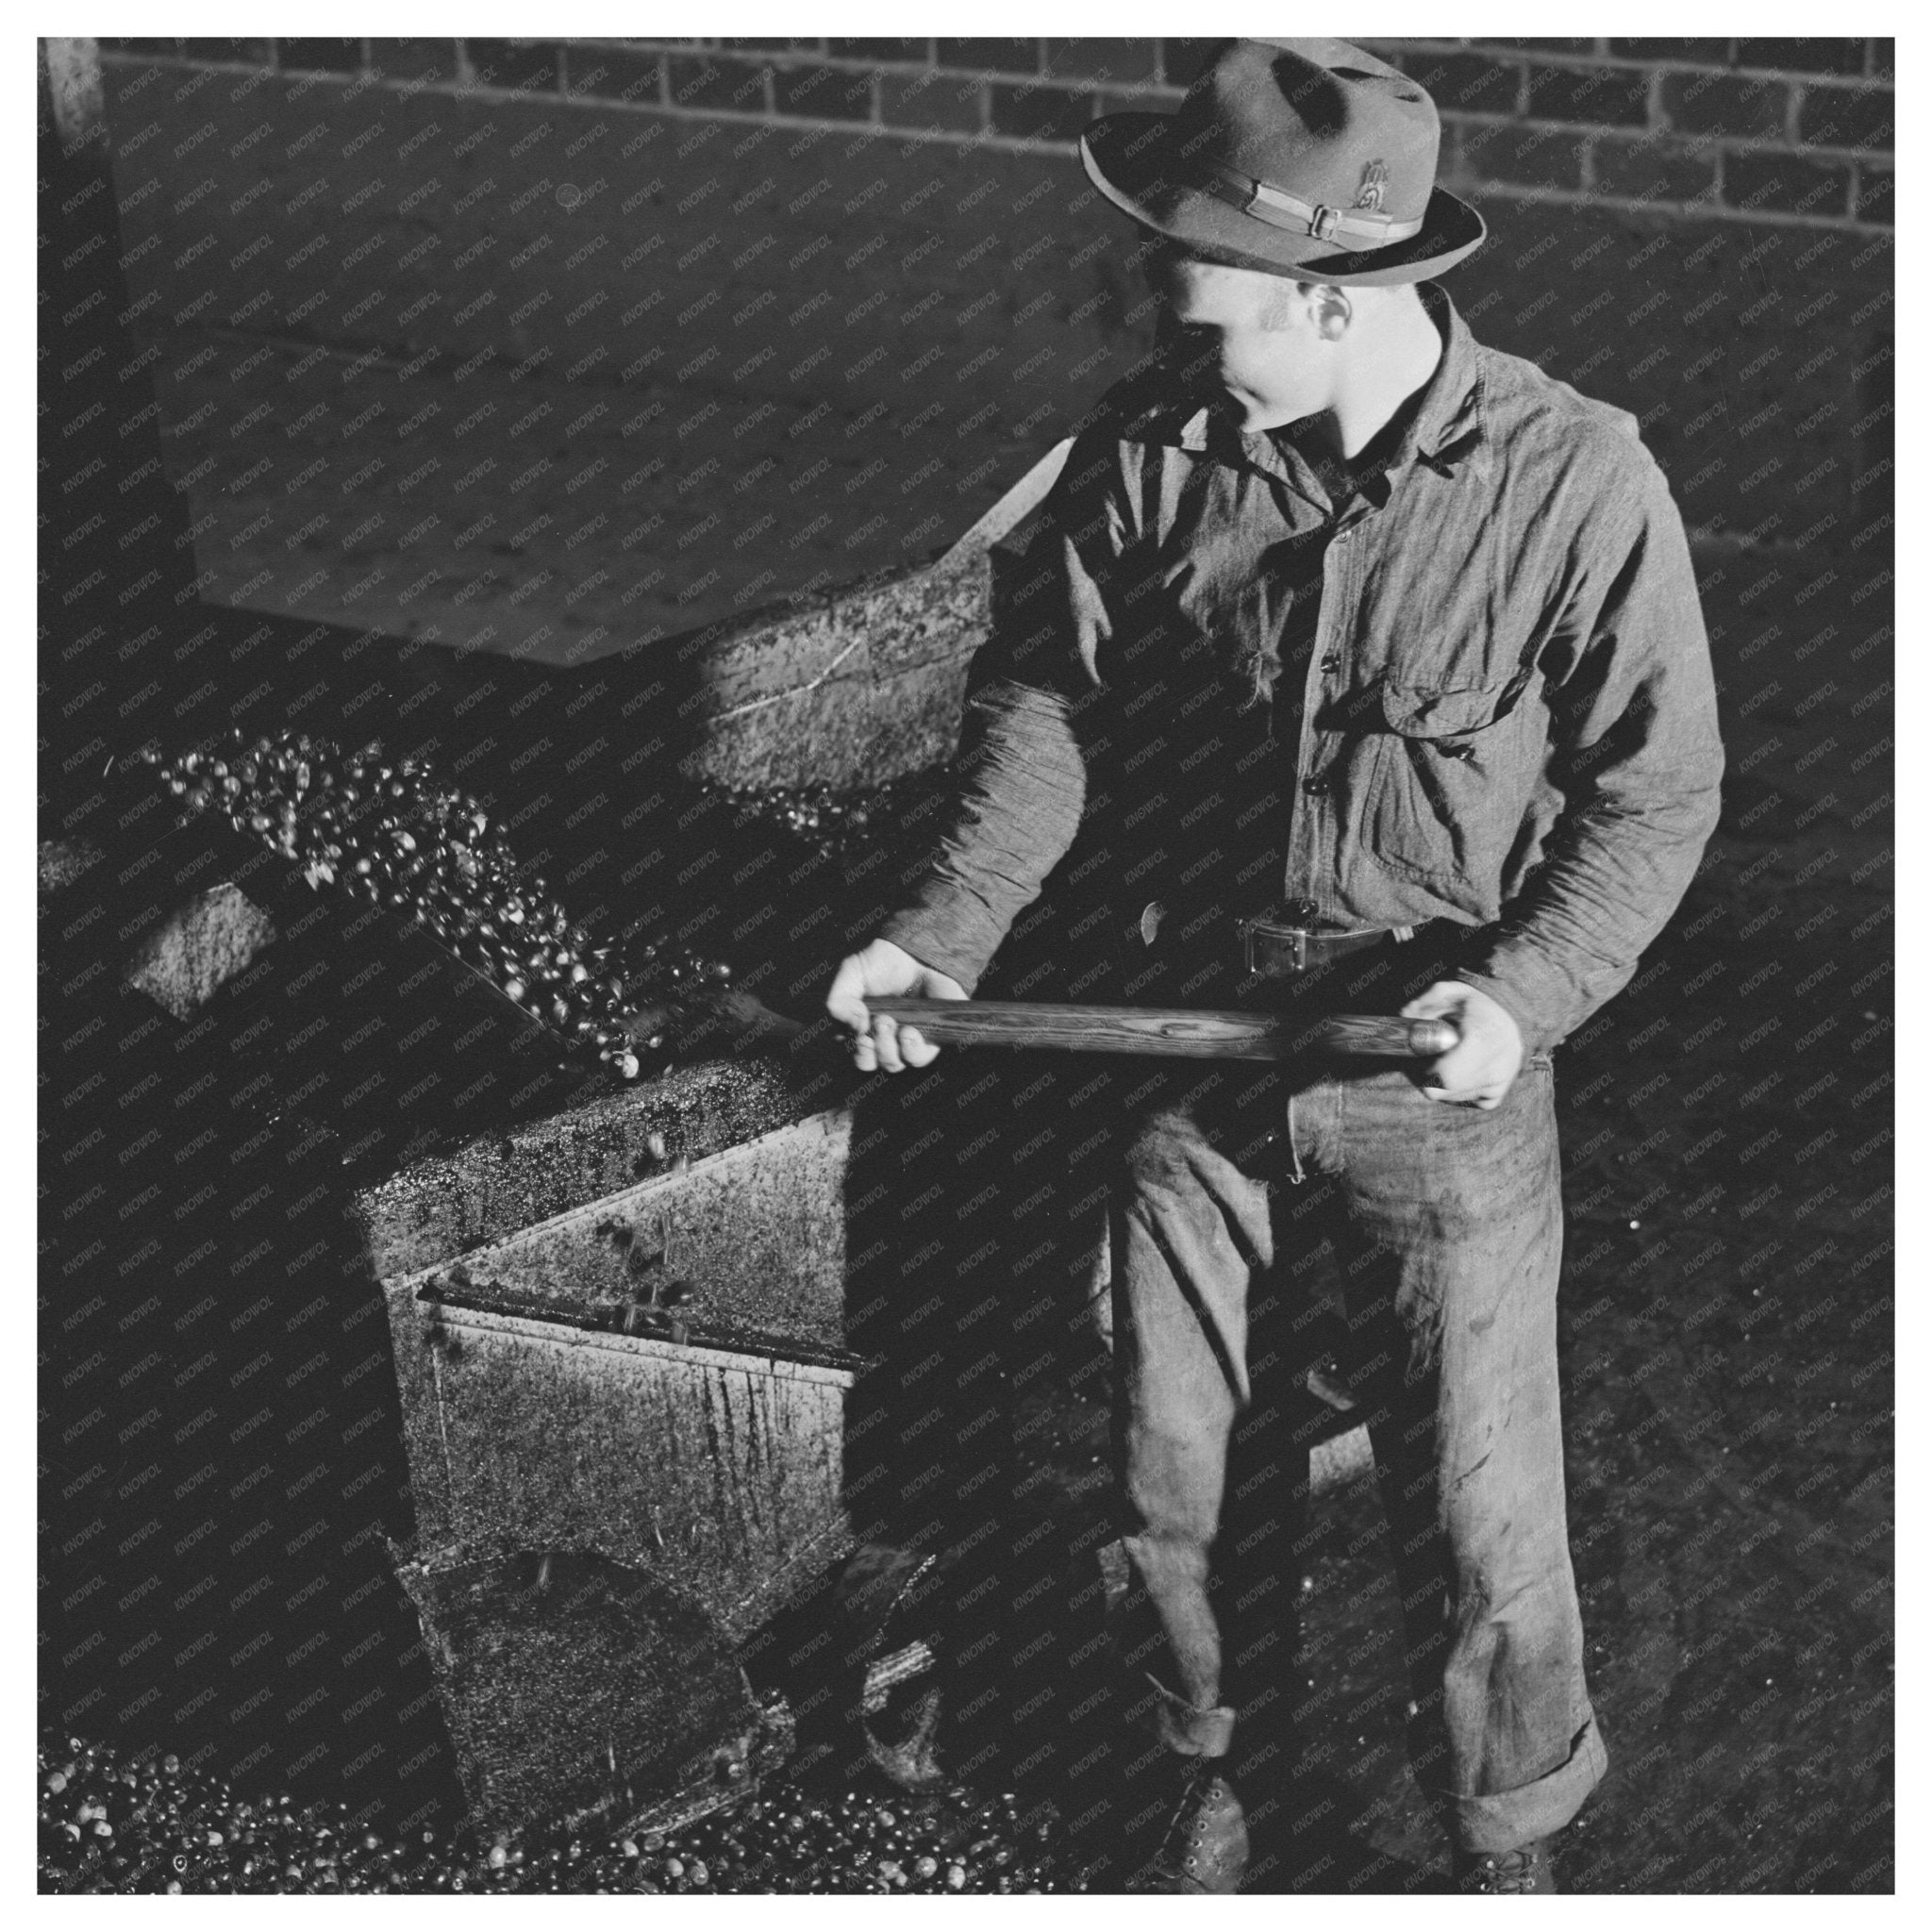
{"points": [[1244, 339]]}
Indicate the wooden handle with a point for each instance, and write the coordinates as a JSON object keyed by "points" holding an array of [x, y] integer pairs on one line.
{"points": [[1169, 1031]]}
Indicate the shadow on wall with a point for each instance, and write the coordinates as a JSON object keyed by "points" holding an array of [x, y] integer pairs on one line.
{"points": [[548, 375], [433, 366]]}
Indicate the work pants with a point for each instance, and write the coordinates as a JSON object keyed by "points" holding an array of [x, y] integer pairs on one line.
{"points": [[1446, 1229]]}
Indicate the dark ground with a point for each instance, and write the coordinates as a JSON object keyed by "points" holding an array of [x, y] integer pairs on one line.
{"points": [[1726, 1334], [1725, 1344], [800, 499]]}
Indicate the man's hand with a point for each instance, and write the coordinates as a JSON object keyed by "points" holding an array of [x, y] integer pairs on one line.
{"points": [[885, 971], [1478, 1069]]}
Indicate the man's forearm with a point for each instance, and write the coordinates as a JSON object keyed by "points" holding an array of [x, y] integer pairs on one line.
{"points": [[1639, 754], [1574, 939], [1018, 811]]}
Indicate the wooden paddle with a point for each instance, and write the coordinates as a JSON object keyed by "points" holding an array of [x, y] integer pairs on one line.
{"points": [[1169, 1031]]}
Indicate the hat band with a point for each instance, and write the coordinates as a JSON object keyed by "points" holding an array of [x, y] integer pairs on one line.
{"points": [[1280, 209]]}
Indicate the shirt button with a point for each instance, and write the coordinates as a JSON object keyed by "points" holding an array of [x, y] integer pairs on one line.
{"points": [[1301, 908], [1315, 787], [1332, 662]]}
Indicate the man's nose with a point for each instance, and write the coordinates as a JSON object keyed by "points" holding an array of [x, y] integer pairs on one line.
{"points": [[1171, 328], [1193, 348]]}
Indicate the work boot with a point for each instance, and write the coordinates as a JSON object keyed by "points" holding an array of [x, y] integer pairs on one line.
{"points": [[1204, 1846], [1529, 1867]]}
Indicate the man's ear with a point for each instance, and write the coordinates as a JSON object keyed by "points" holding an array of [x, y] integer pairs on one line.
{"points": [[1334, 310]]}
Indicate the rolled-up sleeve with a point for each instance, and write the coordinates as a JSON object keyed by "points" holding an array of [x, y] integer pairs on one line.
{"points": [[1022, 770], [1637, 755]]}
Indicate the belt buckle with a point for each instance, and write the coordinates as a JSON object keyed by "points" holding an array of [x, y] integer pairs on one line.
{"points": [[1297, 937], [1299, 941]]}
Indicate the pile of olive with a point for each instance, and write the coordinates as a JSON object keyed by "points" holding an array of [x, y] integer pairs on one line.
{"points": [[828, 821], [393, 832], [108, 1824], [146, 1823]]}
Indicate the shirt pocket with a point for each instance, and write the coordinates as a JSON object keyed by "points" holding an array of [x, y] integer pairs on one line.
{"points": [[1442, 791]]}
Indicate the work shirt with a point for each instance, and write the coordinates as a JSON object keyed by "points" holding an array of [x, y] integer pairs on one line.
{"points": [[1299, 567], [1504, 716]]}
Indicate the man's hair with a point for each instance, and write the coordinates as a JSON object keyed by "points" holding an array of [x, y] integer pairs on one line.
{"points": [[1289, 287], [1274, 312], [1227, 257], [1216, 258], [1280, 302]]}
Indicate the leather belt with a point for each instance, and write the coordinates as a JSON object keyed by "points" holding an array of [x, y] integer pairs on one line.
{"points": [[1283, 949]]}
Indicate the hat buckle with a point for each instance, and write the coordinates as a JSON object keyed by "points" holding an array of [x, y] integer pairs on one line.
{"points": [[1321, 221]]}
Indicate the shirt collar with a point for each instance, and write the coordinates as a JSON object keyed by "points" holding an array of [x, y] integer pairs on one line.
{"points": [[1446, 429], [1449, 425]]}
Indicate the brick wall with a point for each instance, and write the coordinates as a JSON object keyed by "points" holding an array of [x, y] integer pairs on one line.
{"points": [[892, 238], [1756, 130]]}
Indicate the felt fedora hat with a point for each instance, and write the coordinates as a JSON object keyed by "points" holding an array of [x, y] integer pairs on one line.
{"points": [[1307, 158]]}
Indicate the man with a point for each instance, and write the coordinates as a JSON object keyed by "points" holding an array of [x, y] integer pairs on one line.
{"points": [[1337, 610]]}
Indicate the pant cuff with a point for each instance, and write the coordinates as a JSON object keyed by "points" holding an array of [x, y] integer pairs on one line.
{"points": [[1189, 1728], [1501, 1821]]}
